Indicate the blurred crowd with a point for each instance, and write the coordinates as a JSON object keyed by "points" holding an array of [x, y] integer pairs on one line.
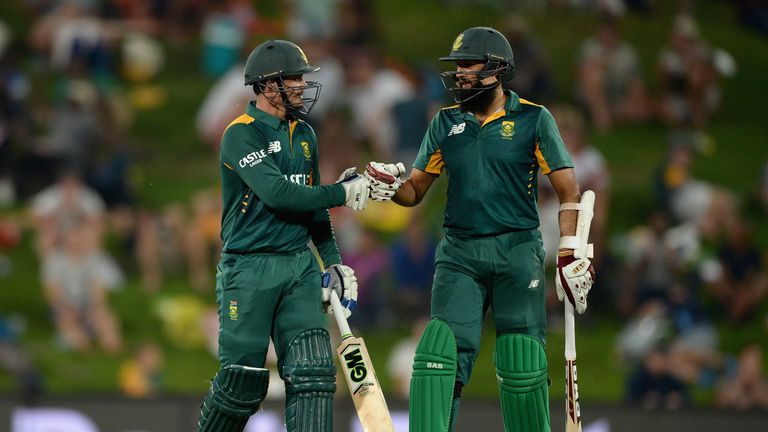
{"points": [[70, 88]]}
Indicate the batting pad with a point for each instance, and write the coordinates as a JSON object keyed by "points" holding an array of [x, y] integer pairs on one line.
{"points": [[310, 382], [434, 375], [521, 370], [236, 393]]}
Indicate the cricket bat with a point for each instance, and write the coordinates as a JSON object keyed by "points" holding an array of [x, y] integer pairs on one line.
{"points": [[572, 408], [361, 377]]}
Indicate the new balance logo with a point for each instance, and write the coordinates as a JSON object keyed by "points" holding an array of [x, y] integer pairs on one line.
{"points": [[457, 129], [274, 147], [534, 284]]}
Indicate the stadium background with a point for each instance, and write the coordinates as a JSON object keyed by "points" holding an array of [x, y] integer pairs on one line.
{"points": [[170, 163]]}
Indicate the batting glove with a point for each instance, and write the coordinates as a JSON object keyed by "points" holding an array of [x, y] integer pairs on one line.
{"points": [[385, 179], [342, 280], [574, 280], [356, 188]]}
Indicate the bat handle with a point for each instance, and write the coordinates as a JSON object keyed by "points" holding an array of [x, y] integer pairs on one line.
{"points": [[338, 313], [400, 168], [570, 332]]}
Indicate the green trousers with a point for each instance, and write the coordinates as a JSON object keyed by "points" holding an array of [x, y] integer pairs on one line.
{"points": [[265, 295], [505, 273]]}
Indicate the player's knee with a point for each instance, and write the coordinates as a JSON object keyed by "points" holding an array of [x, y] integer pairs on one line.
{"points": [[310, 381], [236, 393], [521, 363], [436, 352], [521, 371], [308, 364]]}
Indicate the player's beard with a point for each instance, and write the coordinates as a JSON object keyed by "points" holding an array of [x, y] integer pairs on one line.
{"points": [[481, 101]]}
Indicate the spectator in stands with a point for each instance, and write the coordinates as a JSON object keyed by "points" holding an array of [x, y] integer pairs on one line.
{"points": [[373, 89], [413, 261], [71, 33], [68, 199], [534, 81], [650, 271], [610, 85], [223, 34], [686, 199], [690, 73], [77, 279], [15, 360], [358, 24], [743, 282], [203, 242], [141, 376], [223, 102], [748, 387], [653, 386], [371, 257]]}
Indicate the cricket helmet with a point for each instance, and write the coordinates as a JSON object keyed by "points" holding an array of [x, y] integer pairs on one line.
{"points": [[479, 44], [275, 60]]}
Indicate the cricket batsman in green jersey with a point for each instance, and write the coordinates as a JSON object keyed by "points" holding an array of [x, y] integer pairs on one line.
{"points": [[492, 146], [268, 282]]}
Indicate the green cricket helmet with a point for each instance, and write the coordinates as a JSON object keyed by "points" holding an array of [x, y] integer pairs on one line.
{"points": [[479, 45], [274, 61]]}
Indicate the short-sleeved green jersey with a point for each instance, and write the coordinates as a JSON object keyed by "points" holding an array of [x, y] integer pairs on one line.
{"points": [[271, 193], [492, 168]]}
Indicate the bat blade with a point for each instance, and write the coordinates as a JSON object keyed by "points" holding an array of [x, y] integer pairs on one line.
{"points": [[572, 408], [364, 386]]}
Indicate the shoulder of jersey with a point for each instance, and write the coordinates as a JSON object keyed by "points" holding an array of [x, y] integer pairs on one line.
{"points": [[526, 104], [243, 119]]}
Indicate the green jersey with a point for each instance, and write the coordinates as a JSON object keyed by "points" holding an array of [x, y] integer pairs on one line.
{"points": [[492, 168], [271, 193]]}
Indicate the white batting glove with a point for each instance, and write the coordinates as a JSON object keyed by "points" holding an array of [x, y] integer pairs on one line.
{"points": [[356, 188], [574, 279], [385, 179], [342, 280]]}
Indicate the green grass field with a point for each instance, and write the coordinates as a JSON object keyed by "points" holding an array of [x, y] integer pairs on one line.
{"points": [[173, 164]]}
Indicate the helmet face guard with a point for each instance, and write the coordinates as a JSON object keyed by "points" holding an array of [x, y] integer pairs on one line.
{"points": [[452, 82], [478, 45], [303, 106]]}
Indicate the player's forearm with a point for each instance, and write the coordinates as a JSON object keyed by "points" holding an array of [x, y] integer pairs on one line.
{"points": [[407, 195], [287, 196], [567, 190]]}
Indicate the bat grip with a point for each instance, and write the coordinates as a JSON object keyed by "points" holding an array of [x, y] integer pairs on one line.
{"points": [[570, 332], [338, 313], [400, 169]]}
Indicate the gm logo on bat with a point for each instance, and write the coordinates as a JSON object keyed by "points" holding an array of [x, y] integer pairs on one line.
{"points": [[355, 365]]}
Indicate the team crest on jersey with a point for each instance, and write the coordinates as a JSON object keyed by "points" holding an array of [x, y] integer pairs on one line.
{"points": [[233, 310], [305, 147], [507, 129], [458, 41]]}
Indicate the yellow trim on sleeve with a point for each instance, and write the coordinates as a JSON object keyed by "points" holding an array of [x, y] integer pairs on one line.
{"points": [[227, 165], [449, 107], [542, 162], [436, 163], [527, 102], [245, 118]]}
